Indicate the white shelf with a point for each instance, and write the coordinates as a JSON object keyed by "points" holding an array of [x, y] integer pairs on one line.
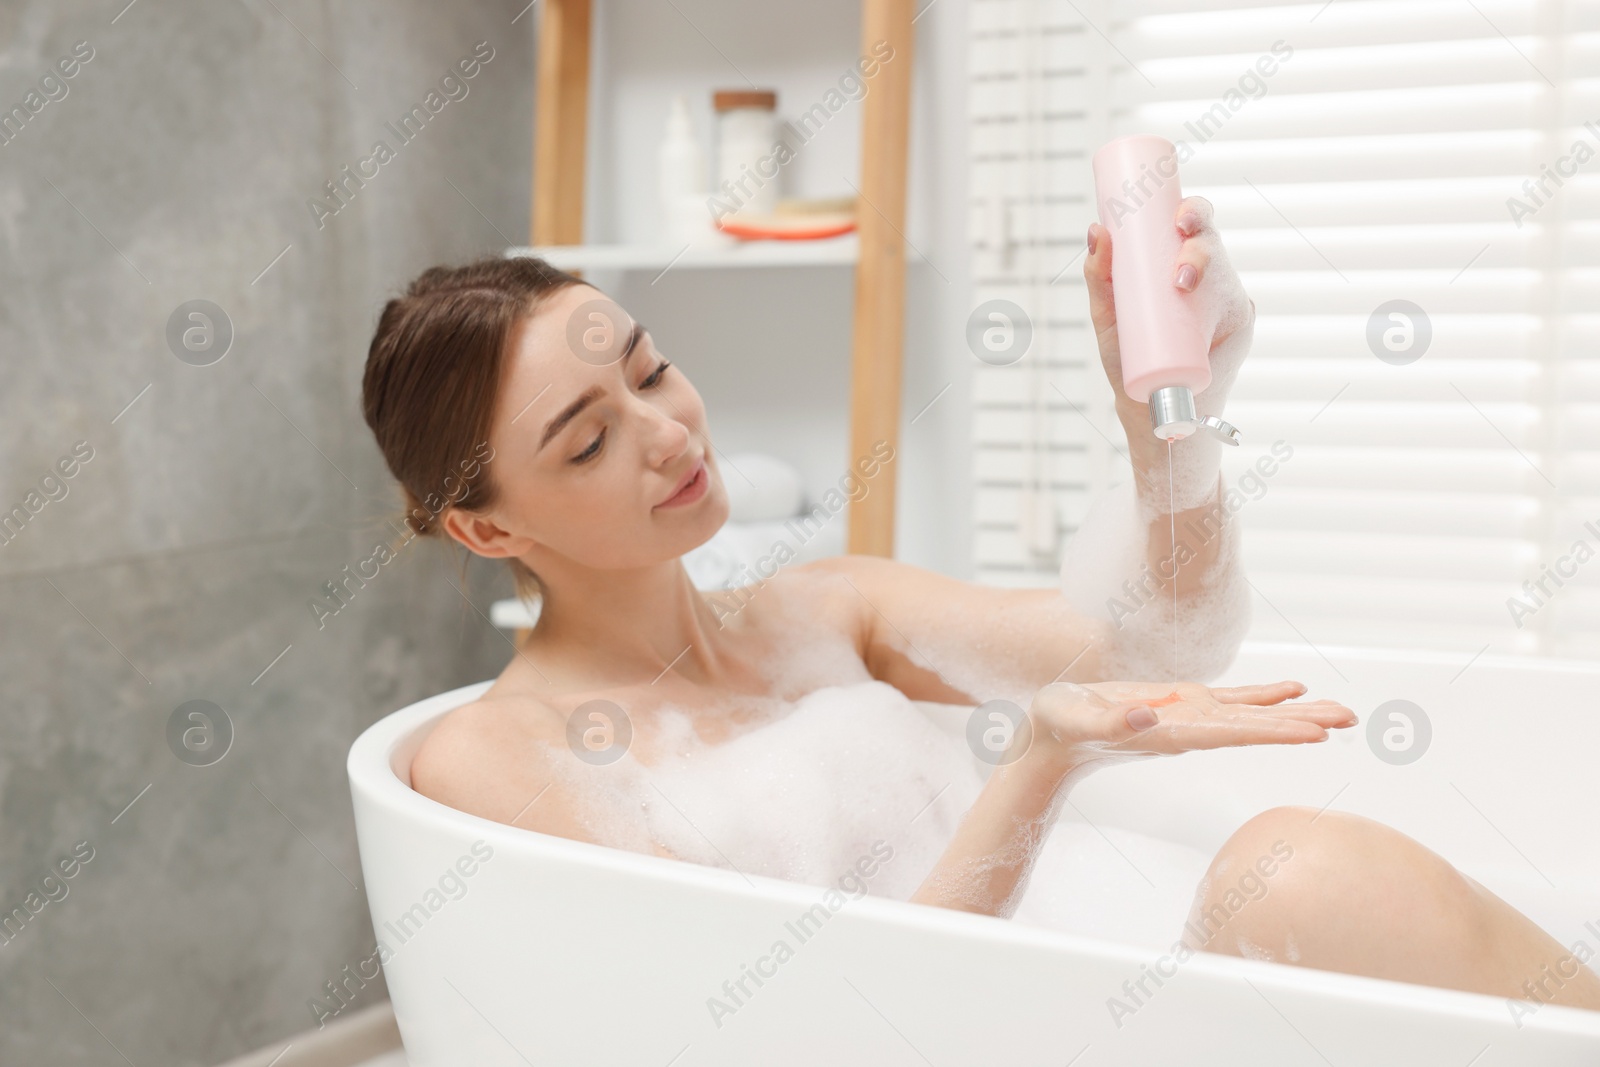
{"points": [[829, 251]]}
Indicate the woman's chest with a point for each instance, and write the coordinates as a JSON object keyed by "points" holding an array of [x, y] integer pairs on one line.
{"points": [[675, 718], [785, 645], [802, 796]]}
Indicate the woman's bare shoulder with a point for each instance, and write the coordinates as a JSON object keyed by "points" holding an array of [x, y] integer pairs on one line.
{"points": [[834, 576], [498, 758], [854, 583], [826, 591], [834, 570], [481, 750]]}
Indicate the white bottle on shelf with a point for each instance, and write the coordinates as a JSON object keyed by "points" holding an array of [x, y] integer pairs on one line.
{"points": [[747, 166], [684, 214]]}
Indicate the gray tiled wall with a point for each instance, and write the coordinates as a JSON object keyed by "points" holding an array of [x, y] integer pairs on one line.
{"points": [[182, 558]]}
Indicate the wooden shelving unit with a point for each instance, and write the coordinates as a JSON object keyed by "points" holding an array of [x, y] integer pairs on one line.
{"points": [[877, 248]]}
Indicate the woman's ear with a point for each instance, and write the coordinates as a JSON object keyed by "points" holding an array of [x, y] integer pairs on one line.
{"points": [[482, 535]]}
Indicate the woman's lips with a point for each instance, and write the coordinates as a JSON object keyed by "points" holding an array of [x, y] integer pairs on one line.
{"points": [[693, 490]]}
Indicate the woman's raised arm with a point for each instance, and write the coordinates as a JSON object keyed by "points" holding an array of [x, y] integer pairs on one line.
{"points": [[1157, 559], [1151, 583], [939, 638]]}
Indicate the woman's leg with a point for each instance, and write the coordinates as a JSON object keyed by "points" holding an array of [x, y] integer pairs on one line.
{"points": [[1339, 892]]}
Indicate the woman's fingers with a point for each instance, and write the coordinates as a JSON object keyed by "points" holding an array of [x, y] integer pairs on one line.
{"points": [[1194, 215], [1326, 713], [1163, 719], [1141, 717], [1097, 277], [1270, 693], [1188, 727], [1193, 260], [1072, 715], [1174, 735], [1194, 218], [1117, 722]]}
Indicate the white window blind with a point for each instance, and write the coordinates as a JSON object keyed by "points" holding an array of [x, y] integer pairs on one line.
{"points": [[1377, 161]]}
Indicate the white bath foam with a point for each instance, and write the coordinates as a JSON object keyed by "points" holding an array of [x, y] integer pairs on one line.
{"points": [[1196, 465], [815, 656], [995, 661], [1108, 552], [951, 719], [1107, 882], [606, 799], [1225, 308], [805, 795], [1252, 951]]}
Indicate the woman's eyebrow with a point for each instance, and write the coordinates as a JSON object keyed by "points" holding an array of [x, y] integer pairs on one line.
{"points": [[633, 339], [569, 413], [590, 395]]}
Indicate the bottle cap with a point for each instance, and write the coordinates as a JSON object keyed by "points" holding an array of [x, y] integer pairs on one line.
{"points": [[1173, 416]]}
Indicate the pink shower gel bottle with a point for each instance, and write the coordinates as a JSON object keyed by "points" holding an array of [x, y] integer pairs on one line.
{"points": [[1164, 343]]}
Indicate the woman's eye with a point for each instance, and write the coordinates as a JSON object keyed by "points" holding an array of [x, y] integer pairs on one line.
{"points": [[592, 451], [655, 376]]}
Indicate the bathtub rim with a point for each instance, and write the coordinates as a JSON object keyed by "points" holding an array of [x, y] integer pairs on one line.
{"points": [[374, 782]]}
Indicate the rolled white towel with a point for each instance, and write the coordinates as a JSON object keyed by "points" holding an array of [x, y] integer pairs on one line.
{"points": [[776, 492]]}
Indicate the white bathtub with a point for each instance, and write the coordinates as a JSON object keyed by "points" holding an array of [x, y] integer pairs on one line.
{"points": [[555, 951]]}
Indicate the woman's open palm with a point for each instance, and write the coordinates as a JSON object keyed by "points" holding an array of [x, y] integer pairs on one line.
{"points": [[1130, 720]]}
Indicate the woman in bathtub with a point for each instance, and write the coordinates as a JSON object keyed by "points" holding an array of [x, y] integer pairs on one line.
{"points": [[530, 419]]}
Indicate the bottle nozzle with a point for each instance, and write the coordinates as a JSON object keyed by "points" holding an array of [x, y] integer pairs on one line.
{"points": [[1173, 416]]}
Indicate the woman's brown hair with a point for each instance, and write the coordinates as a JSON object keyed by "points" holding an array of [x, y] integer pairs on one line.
{"points": [[432, 378]]}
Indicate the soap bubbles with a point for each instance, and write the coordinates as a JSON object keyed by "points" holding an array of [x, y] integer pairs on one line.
{"points": [[999, 332], [992, 728], [1398, 732], [1399, 332], [599, 732]]}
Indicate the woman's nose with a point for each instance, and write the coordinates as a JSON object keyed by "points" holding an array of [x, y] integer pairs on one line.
{"points": [[667, 436]]}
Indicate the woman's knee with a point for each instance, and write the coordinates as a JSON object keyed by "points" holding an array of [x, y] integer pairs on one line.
{"points": [[1294, 880], [1248, 882]]}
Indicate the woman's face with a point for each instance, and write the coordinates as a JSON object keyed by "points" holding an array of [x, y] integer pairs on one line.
{"points": [[593, 434]]}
